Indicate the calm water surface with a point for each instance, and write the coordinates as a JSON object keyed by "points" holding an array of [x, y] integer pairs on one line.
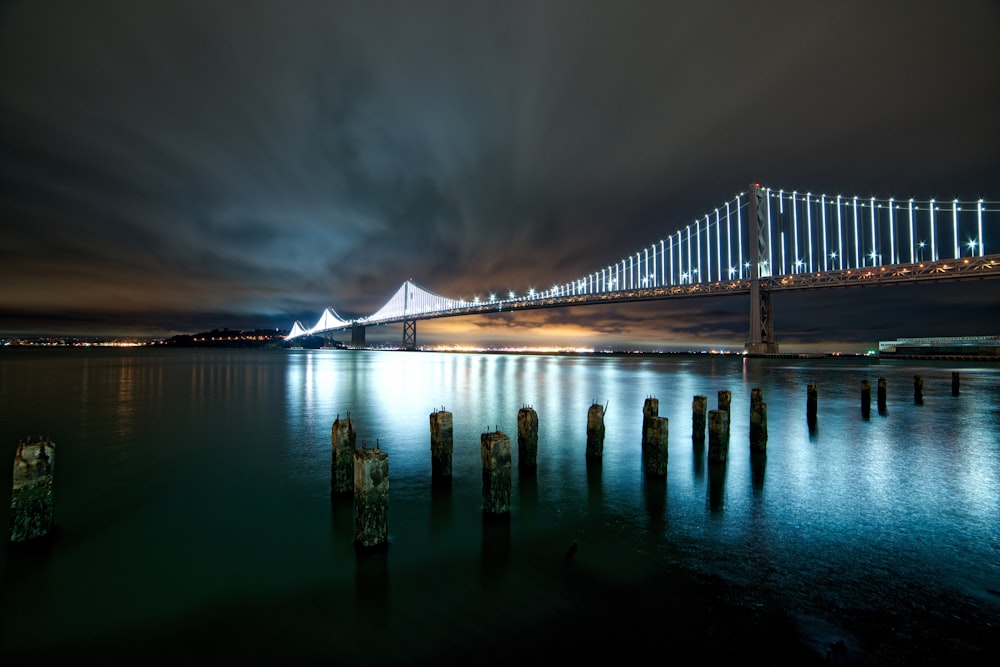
{"points": [[192, 489]]}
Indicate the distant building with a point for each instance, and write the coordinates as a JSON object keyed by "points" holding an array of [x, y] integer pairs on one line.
{"points": [[946, 346]]}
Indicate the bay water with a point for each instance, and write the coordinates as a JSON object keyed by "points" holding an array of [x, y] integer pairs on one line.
{"points": [[194, 515]]}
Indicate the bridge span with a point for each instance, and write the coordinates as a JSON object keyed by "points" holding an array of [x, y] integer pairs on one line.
{"points": [[758, 244]]}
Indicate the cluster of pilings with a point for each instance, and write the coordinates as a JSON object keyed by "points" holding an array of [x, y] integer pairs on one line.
{"points": [[882, 391], [495, 454], [363, 473]]}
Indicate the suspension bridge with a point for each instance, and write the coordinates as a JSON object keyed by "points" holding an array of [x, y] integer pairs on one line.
{"points": [[757, 243]]}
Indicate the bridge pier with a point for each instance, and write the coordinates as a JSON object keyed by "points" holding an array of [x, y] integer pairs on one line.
{"points": [[761, 340], [409, 334], [357, 336]]}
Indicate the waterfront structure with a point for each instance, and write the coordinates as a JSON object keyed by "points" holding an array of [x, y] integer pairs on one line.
{"points": [[942, 346]]}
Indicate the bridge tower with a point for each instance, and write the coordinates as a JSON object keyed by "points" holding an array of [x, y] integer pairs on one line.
{"points": [[409, 326], [357, 335], [761, 340]]}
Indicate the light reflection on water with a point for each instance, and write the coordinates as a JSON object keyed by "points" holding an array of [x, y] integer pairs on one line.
{"points": [[188, 480]]}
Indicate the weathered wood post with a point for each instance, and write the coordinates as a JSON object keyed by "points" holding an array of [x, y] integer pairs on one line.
{"points": [[371, 497], [595, 431], [699, 406], [758, 421], [918, 389], [725, 402], [812, 402], [718, 436], [442, 444], [343, 438], [650, 409], [954, 383], [881, 396], [495, 451], [32, 509], [655, 452], [527, 438], [866, 398]]}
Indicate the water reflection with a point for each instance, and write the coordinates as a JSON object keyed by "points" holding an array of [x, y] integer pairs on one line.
{"points": [[595, 492], [528, 494], [441, 507], [717, 486], [758, 461], [654, 489], [495, 560], [371, 587]]}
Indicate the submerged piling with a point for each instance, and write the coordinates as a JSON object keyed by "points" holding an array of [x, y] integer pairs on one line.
{"points": [[650, 409], [881, 396], [343, 438], [371, 497], [442, 444], [595, 431], [655, 439], [812, 401], [918, 389], [758, 421], [495, 452], [699, 406], [725, 402], [954, 383], [32, 513], [527, 438], [718, 436], [866, 398]]}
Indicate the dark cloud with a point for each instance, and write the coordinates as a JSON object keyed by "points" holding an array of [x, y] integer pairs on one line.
{"points": [[173, 162]]}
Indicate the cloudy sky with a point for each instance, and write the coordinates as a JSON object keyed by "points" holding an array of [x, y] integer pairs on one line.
{"points": [[174, 166]]}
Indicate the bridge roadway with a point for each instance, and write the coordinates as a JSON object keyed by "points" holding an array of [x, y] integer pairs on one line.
{"points": [[966, 268]]}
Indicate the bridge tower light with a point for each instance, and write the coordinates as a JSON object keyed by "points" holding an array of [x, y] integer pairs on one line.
{"points": [[874, 237], [933, 234], [892, 242], [954, 225], [739, 231], [979, 216], [913, 257]]}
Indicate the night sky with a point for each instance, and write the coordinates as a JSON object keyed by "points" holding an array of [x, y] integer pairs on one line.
{"points": [[171, 167]]}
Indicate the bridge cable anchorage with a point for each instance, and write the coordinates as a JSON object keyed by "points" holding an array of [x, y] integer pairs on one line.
{"points": [[791, 240]]}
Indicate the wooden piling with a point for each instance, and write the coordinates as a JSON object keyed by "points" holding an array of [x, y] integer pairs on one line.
{"points": [[725, 402], [812, 402], [918, 389], [371, 497], [442, 444], [954, 383], [343, 438], [495, 451], [699, 407], [718, 436], [866, 398], [881, 395], [32, 513], [595, 431], [527, 438], [655, 451], [650, 409], [758, 421]]}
